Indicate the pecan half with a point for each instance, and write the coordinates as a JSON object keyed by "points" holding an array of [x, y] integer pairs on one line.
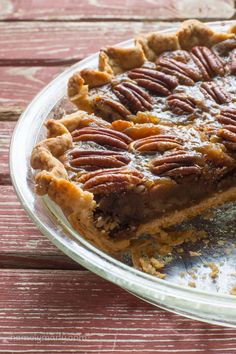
{"points": [[176, 164], [90, 160], [132, 96], [110, 109], [154, 81], [227, 116], [228, 135], [110, 181], [216, 92], [185, 74], [181, 104], [103, 136], [208, 62], [155, 143]]}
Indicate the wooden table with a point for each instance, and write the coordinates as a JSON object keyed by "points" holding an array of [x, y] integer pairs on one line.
{"points": [[48, 303]]}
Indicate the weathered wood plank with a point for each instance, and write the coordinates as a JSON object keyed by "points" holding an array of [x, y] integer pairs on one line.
{"points": [[21, 244], [20, 84], [20, 260], [60, 43], [106, 10], [73, 311], [6, 129], [18, 233]]}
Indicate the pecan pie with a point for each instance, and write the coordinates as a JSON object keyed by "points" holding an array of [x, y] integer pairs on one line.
{"points": [[154, 140]]}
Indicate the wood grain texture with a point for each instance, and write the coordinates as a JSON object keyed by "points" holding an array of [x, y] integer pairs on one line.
{"points": [[6, 129], [115, 9], [21, 244], [60, 43], [78, 312], [73, 311], [18, 85]]}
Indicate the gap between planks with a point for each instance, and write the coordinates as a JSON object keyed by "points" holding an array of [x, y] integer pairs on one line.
{"points": [[22, 245], [120, 19], [118, 10], [45, 43], [19, 84]]}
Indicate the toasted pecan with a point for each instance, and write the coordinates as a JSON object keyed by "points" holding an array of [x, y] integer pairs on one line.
{"points": [[110, 109], [154, 81], [228, 135], [103, 136], [96, 159], [110, 180], [208, 62], [215, 92], [180, 104], [227, 116], [184, 74], [155, 143], [176, 164], [132, 96]]}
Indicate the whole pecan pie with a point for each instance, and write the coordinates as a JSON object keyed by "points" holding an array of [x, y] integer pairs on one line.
{"points": [[154, 140]]}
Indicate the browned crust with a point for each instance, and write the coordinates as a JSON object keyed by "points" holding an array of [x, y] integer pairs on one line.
{"points": [[155, 43], [232, 29], [116, 60], [195, 33]]}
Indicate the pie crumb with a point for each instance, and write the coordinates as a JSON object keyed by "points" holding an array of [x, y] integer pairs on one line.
{"points": [[194, 254], [151, 267], [214, 269], [233, 290], [192, 284], [193, 275]]}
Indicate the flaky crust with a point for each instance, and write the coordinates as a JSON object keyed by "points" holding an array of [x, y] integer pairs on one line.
{"points": [[115, 60], [156, 43], [195, 33]]}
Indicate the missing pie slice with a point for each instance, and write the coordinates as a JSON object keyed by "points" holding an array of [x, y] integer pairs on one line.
{"points": [[154, 140]]}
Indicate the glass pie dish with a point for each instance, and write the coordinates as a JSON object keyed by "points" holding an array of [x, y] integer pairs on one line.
{"points": [[209, 301]]}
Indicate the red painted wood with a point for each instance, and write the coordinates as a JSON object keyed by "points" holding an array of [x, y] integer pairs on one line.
{"points": [[18, 260], [6, 129], [48, 311], [59, 43], [21, 244], [20, 84], [115, 9], [17, 230], [73, 311]]}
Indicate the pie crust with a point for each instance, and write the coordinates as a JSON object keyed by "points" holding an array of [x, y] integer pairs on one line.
{"points": [[153, 142]]}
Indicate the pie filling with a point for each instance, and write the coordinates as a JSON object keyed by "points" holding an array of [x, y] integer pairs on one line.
{"points": [[156, 139]]}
